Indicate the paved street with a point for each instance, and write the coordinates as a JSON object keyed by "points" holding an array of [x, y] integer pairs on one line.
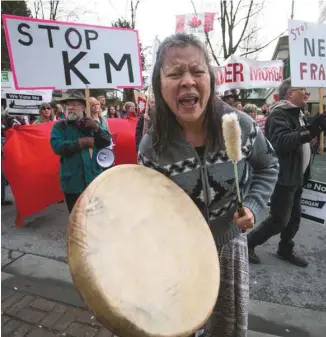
{"points": [[285, 300]]}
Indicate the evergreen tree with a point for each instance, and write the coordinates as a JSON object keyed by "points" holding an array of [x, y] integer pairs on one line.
{"points": [[14, 8]]}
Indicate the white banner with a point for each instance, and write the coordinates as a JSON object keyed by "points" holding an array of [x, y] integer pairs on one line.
{"points": [[313, 201], [308, 53], [48, 54], [243, 73], [20, 102]]}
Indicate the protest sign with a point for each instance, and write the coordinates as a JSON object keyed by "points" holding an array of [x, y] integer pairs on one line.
{"points": [[21, 102], [308, 53], [47, 54], [242, 73], [313, 201]]}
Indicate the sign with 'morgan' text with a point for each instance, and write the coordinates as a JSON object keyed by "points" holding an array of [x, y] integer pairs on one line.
{"points": [[307, 53], [242, 73], [50, 54], [313, 201]]}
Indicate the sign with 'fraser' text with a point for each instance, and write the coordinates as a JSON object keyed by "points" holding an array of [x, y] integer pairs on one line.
{"points": [[242, 73], [51, 54], [307, 53]]}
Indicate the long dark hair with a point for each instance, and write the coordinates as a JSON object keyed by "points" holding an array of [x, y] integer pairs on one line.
{"points": [[165, 125]]}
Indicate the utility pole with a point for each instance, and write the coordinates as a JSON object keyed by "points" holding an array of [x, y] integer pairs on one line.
{"points": [[292, 11]]}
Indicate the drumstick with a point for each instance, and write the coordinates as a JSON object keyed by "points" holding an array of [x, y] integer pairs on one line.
{"points": [[232, 138]]}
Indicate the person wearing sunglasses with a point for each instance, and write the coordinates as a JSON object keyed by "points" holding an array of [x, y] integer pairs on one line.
{"points": [[46, 114], [230, 97], [290, 135]]}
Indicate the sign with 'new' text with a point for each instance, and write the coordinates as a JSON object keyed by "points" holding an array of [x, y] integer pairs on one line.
{"points": [[242, 73], [50, 54], [307, 53]]}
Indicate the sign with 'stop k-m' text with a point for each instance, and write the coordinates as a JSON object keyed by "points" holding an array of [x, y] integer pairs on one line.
{"points": [[307, 53], [50, 54], [242, 73]]}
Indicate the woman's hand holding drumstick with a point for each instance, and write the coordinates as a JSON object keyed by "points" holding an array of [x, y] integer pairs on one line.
{"points": [[244, 221], [232, 137]]}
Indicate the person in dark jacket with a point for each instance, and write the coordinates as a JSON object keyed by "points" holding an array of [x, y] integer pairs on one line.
{"points": [[72, 141], [290, 136], [140, 124]]}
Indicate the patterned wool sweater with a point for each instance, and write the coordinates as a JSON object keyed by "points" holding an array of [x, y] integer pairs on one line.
{"points": [[210, 182]]}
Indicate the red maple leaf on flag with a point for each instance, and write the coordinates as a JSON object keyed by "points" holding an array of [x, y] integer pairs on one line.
{"points": [[194, 22]]}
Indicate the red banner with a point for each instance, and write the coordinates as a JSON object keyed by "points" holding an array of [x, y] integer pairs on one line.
{"points": [[123, 133], [32, 169]]}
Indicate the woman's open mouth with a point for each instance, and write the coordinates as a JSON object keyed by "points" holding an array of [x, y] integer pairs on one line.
{"points": [[188, 101]]}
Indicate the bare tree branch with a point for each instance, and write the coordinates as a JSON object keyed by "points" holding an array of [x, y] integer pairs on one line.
{"points": [[226, 14], [42, 8], [244, 28], [230, 26], [236, 12], [53, 9], [264, 46], [133, 12], [223, 28], [36, 8], [248, 17], [255, 30], [207, 38]]}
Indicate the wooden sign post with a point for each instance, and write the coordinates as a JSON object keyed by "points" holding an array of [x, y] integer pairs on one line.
{"points": [[88, 113], [321, 110]]}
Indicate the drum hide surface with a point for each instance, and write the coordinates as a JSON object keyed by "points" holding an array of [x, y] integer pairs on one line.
{"points": [[141, 254]]}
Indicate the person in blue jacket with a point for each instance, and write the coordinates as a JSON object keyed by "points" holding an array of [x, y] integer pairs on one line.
{"points": [[72, 140]]}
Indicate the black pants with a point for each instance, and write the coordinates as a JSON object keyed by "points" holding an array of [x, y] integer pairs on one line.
{"points": [[71, 200], [284, 218]]}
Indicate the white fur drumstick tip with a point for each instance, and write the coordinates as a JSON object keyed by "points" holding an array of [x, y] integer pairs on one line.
{"points": [[232, 136]]}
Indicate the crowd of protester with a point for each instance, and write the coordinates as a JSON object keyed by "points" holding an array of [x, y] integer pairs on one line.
{"points": [[53, 111], [276, 160], [61, 113]]}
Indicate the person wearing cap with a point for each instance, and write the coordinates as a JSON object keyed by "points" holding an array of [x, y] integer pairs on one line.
{"points": [[72, 140], [230, 97]]}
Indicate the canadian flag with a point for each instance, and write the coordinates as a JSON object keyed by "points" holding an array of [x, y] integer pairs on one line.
{"points": [[195, 23], [141, 102]]}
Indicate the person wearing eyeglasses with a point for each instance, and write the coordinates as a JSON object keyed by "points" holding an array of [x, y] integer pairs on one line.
{"points": [[46, 114], [290, 135], [77, 141]]}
